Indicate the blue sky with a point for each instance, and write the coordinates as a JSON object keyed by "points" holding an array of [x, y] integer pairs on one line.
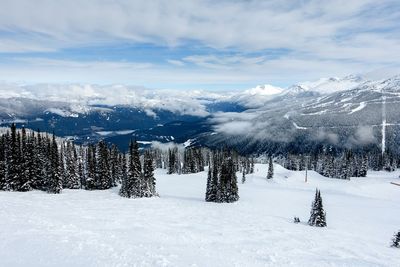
{"points": [[202, 44]]}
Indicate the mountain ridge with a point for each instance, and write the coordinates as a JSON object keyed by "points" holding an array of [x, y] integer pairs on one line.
{"points": [[305, 110]]}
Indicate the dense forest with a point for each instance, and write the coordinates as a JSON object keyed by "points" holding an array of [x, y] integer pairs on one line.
{"points": [[32, 160]]}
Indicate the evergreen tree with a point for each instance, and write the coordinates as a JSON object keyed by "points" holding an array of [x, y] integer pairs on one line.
{"points": [[210, 197], [3, 166], [270, 174], [252, 165], [227, 187], [243, 177], [72, 170], [55, 181], [90, 183], [30, 162], [396, 240], [171, 161], [44, 162], [61, 157], [364, 166], [13, 160], [103, 177], [114, 166], [131, 187], [124, 168], [25, 155], [149, 182], [212, 179], [81, 168], [317, 214]]}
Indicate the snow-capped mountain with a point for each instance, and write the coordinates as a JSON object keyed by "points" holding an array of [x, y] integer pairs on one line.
{"points": [[332, 85], [326, 86], [361, 115], [342, 111]]}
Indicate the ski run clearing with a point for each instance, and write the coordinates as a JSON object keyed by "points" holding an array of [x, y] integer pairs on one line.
{"points": [[100, 228]]}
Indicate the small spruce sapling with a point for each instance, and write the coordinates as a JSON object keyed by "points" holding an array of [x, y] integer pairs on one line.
{"points": [[317, 214], [396, 240]]}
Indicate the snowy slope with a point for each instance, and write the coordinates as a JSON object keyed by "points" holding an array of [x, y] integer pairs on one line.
{"points": [[99, 228], [331, 85]]}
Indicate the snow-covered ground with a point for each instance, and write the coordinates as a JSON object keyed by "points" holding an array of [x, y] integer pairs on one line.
{"points": [[99, 228]]}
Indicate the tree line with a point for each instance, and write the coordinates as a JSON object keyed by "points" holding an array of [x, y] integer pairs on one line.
{"points": [[342, 164], [40, 161]]}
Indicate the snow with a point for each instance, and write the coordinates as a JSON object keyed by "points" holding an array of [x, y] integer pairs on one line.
{"points": [[187, 143], [123, 132], [298, 127], [99, 228], [332, 85], [360, 107], [145, 142], [104, 133]]}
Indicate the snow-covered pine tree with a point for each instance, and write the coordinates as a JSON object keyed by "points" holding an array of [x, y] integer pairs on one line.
{"points": [[45, 162], [362, 172], [396, 240], [248, 166], [123, 167], [24, 178], [199, 160], [30, 162], [13, 160], [188, 161], [301, 163], [212, 178], [3, 167], [210, 194], [35, 143], [252, 165], [227, 187], [72, 167], [388, 161], [114, 165], [270, 174], [81, 167], [317, 214], [149, 182], [125, 183], [233, 187], [171, 161], [135, 170], [243, 177], [62, 160], [55, 182], [103, 176], [90, 183], [131, 187], [329, 168]]}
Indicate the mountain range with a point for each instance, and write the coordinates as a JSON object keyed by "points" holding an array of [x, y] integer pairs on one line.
{"points": [[348, 112]]}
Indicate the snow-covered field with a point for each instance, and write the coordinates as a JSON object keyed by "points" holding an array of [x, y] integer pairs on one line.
{"points": [[99, 228]]}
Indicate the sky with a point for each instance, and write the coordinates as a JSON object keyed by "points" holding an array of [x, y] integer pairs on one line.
{"points": [[196, 44]]}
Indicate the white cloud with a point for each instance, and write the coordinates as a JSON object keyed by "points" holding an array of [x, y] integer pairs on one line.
{"points": [[176, 62], [248, 25], [317, 38], [79, 97]]}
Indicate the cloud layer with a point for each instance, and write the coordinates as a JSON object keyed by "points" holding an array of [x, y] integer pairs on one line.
{"points": [[202, 43]]}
